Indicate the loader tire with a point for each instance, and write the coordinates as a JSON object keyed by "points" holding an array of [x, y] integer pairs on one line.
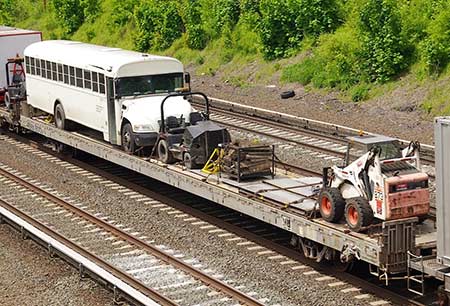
{"points": [[358, 213], [331, 204]]}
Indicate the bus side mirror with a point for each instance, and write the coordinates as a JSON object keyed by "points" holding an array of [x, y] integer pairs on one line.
{"points": [[187, 78]]}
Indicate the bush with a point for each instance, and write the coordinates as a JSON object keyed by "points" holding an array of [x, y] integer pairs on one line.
{"points": [[122, 11], [316, 16], [74, 12], [382, 48], [7, 12], [196, 37], [435, 47], [284, 23], [277, 28], [226, 14], [333, 62], [159, 25]]}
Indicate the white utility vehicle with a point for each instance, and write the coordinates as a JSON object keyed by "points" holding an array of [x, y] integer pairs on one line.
{"points": [[385, 182], [110, 90]]}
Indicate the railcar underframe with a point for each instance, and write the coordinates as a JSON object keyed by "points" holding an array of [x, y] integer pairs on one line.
{"points": [[385, 250]]}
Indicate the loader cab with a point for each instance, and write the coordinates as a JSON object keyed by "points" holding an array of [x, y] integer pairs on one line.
{"points": [[359, 145]]}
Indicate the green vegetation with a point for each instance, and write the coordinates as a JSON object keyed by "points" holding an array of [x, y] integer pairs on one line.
{"points": [[358, 47]]}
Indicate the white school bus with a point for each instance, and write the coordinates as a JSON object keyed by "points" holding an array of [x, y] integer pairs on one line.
{"points": [[114, 91]]}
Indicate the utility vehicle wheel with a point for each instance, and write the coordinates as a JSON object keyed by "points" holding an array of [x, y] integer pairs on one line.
{"points": [[60, 118], [358, 213], [128, 143], [331, 204], [164, 153], [7, 100], [188, 162]]}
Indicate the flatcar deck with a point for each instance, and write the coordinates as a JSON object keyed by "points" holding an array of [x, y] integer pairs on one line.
{"points": [[262, 200]]}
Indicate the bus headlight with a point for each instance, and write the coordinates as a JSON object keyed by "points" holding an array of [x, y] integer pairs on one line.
{"points": [[142, 127]]}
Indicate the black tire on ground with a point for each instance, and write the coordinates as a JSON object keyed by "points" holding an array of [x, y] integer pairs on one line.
{"points": [[287, 94], [358, 213], [331, 204], [60, 118], [164, 153], [128, 143]]}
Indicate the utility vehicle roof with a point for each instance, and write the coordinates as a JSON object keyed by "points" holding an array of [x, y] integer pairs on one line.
{"points": [[370, 139]]}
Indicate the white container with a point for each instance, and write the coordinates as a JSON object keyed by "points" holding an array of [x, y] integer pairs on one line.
{"points": [[12, 43], [442, 151]]}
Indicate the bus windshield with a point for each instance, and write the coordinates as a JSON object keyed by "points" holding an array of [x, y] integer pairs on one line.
{"points": [[148, 84]]}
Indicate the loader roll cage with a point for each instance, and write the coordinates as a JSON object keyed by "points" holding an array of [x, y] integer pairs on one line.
{"points": [[162, 127]]}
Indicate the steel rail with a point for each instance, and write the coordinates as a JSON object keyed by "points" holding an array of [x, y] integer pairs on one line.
{"points": [[210, 281], [97, 260], [300, 125]]}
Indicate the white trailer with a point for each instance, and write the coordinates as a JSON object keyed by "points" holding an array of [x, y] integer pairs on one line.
{"points": [[12, 44]]}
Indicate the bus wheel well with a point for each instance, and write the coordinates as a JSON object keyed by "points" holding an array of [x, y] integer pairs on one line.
{"points": [[124, 121]]}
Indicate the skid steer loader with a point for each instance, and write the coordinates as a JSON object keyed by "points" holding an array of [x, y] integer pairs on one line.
{"points": [[385, 182]]}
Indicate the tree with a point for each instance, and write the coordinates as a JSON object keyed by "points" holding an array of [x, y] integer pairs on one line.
{"points": [[382, 48]]}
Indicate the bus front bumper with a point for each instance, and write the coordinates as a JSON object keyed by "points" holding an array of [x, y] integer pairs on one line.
{"points": [[145, 139]]}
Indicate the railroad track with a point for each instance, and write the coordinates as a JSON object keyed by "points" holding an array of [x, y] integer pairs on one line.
{"points": [[309, 134], [153, 272]]}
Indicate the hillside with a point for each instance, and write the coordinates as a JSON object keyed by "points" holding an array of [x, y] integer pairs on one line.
{"points": [[390, 54]]}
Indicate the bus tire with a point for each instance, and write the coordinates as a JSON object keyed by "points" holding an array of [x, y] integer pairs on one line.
{"points": [[60, 118], [128, 143]]}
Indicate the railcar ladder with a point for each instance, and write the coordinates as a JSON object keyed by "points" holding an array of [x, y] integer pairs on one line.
{"points": [[417, 279]]}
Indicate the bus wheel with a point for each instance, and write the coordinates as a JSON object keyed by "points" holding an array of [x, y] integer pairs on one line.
{"points": [[128, 144], [164, 153], [60, 118]]}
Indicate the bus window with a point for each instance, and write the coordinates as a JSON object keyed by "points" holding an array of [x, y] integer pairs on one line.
{"points": [[95, 81], [87, 79], [38, 67], [32, 68], [101, 81], [66, 74], [54, 72], [27, 64], [79, 77], [49, 70], [72, 76], [43, 72], [60, 73]]}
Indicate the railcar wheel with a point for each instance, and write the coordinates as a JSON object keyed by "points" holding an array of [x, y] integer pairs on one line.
{"points": [[331, 204], [128, 143], [358, 213], [60, 118], [164, 153]]}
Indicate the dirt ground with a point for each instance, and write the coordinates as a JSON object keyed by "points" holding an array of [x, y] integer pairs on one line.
{"points": [[397, 115]]}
